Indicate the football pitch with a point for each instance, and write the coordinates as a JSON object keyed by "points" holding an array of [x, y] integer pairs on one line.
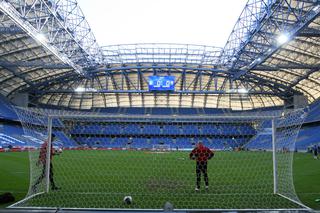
{"points": [[100, 179]]}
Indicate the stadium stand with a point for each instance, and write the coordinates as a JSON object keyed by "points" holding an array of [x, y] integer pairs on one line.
{"points": [[159, 110], [6, 109], [179, 135], [144, 135], [12, 135], [63, 140], [308, 136], [313, 113], [262, 141]]}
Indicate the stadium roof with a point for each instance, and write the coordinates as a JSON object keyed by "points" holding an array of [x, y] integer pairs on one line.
{"points": [[49, 51]]}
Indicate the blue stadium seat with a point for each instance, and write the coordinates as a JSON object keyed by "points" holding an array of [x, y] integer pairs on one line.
{"points": [[6, 109], [307, 137]]}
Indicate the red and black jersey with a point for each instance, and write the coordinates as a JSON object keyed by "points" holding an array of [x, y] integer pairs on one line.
{"points": [[43, 153], [201, 153]]}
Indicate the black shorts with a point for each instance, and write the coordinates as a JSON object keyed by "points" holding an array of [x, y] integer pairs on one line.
{"points": [[202, 167]]}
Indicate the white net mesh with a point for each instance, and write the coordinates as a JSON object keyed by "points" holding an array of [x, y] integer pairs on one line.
{"points": [[100, 159]]}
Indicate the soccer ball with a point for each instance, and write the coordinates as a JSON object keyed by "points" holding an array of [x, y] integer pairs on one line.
{"points": [[57, 150], [127, 200]]}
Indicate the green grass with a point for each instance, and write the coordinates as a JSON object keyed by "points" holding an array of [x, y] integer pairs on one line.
{"points": [[307, 179], [103, 178], [14, 174]]}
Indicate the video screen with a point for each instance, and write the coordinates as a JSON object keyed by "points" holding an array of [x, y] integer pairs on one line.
{"points": [[161, 83]]}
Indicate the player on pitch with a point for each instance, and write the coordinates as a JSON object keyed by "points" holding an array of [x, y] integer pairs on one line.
{"points": [[42, 161], [315, 151], [201, 154]]}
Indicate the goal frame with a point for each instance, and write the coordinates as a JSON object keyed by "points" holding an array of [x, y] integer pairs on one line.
{"points": [[164, 118]]}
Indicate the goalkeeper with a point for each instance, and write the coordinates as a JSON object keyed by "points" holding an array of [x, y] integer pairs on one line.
{"points": [[201, 154], [42, 161]]}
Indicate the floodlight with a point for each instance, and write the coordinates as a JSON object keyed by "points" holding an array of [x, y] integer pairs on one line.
{"points": [[80, 89], [41, 38], [283, 38], [242, 90], [239, 90], [316, 8]]}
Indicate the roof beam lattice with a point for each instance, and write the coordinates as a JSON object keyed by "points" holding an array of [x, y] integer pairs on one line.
{"points": [[255, 35], [60, 27]]}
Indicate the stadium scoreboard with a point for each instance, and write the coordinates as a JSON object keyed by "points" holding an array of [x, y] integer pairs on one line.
{"points": [[161, 83]]}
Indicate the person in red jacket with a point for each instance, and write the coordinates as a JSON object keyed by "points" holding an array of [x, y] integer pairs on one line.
{"points": [[201, 154], [42, 161]]}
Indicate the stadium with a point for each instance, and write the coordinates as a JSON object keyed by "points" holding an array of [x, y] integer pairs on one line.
{"points": [[119, 127]]}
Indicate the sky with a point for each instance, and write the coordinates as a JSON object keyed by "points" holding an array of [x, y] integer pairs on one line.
{"points": [[204, 22]]}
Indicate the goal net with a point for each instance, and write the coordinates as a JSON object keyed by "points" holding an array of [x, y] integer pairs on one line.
{"points": [[104, 158]]}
